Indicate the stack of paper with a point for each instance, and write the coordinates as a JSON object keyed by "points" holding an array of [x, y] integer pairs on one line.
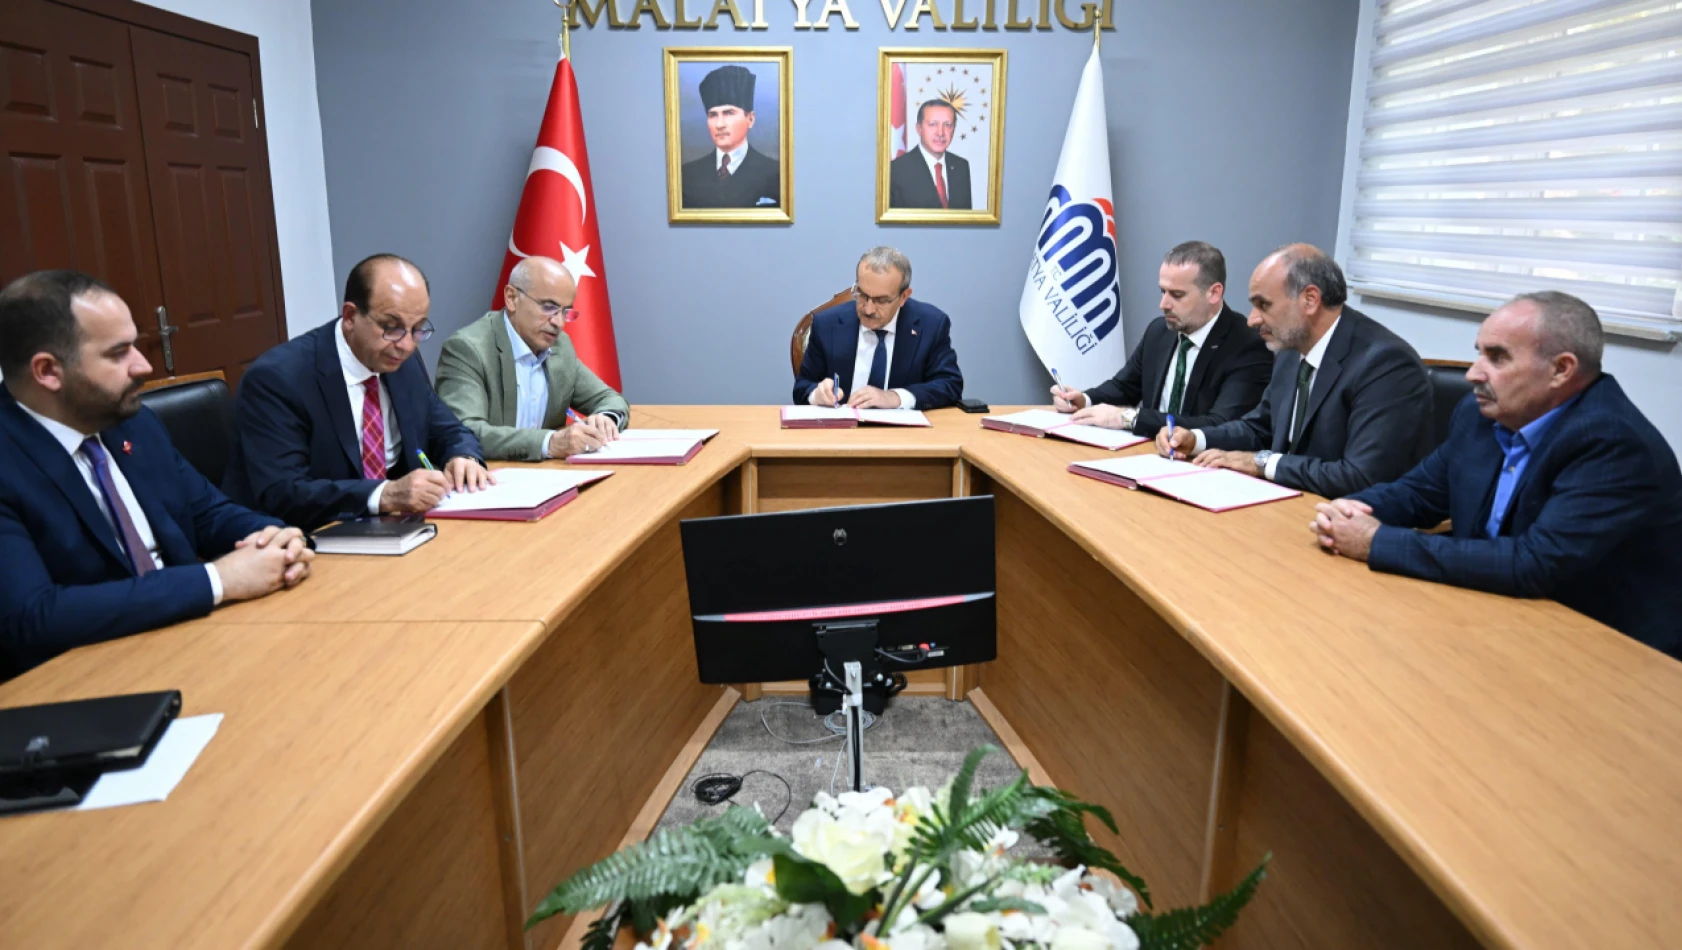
{"points": [[641, 451], [1216, 489], [1039, 423]]}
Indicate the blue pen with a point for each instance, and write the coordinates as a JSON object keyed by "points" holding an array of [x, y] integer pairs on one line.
{"points": [[1170, 437], [577, 419], [837, 389], [1057, 379]]}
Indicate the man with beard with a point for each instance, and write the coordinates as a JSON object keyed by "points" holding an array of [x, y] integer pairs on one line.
{"points": [[105, 530], [1201, 363], [734, 174], [1554, 483], [1349, 404]]}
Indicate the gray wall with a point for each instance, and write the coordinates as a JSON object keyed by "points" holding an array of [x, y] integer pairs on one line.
{"points": [[1226, 124]]}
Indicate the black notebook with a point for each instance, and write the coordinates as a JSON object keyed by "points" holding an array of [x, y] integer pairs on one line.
{"points": [[50, 755], [389, 536]]}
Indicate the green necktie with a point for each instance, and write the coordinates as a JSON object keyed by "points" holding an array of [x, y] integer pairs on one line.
{"points": [[1179, 390], [1305, 372]]}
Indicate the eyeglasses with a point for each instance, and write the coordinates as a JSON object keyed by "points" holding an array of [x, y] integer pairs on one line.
{"points": [[550, 308], [859, 296], [392, 334]]}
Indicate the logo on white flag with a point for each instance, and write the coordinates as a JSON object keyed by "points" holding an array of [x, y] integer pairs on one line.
{"points": [[1074, 268]]}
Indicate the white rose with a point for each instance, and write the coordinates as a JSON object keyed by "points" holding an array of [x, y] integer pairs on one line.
{"points": [[857, 858], [971, 931], [1078, 938]]}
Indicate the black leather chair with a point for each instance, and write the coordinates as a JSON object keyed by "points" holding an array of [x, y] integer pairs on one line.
{"points": [[1448, 387], [198, 413]]}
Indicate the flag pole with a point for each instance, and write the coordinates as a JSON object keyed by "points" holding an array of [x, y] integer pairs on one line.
{"points": [[1097, 27], [566, 34]]}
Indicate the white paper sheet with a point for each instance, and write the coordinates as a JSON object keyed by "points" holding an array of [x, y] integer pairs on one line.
{"points": [[1034, 418], [818, 413], [895, 417], [645, 435], [517, 488], [1220, 489], [628, 450], [174, 754], [1139, 467], [1099, 436]]}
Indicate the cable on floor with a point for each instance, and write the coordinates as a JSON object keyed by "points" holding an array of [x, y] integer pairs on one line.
{"points": [[716, 788]]}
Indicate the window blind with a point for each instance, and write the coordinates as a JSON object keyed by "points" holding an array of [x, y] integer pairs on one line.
{"points": [[1520, 145]]}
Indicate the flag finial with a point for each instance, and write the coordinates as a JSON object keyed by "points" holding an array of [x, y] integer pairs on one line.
{"points": [[1097, 26], [566, 35]]}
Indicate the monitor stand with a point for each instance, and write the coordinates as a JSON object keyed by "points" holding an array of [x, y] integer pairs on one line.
{"points": [[861, 687]]}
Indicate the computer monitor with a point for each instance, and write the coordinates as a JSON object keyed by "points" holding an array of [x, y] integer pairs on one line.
{"points": [[766, 590]]}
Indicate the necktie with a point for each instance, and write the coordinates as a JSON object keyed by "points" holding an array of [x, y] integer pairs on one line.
{"points": [[723, 167], [940, 183], [373, 431], [1179, 390], [879, 361], [139, 558], [1299, 417]]}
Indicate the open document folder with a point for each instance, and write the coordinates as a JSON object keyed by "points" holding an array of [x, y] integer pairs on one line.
{"points": [[520, 494], [1039, 423], [846, 417], [1215, 489]]}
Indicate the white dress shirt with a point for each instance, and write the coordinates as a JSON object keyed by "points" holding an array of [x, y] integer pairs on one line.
{"points": [[355, 375], [531, 382], [1197, 337], [736, 155], [1315, 357], [861, 364], [72, 442]]}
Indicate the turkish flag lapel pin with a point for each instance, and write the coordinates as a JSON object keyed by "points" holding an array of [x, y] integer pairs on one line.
{"points": [[128, 447]]}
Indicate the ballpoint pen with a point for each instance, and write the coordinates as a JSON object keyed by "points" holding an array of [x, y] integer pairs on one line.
{"points": [[576, 419], [1170, 421], [837, 397], [1057, 379], [425, 462]]}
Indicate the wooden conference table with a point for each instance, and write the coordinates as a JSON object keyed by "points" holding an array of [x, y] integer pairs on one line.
{"points": [[416, 749]]}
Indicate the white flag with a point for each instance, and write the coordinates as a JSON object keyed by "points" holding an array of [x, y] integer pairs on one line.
{"points": [[1071, 301]]}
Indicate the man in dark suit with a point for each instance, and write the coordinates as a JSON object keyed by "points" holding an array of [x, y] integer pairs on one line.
{"points": [[734, 174], [890, 352], [341, 422], [1200, 363], [929, 176], [1349, 404], [1555, 484], [105, 529]]}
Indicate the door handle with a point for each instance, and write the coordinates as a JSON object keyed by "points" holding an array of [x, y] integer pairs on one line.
{"points": [[165, 331]]}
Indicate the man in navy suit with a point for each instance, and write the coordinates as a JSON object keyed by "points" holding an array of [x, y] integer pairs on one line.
{"points": [[1557, 486], [341, 422], [890, 352], [105, 529]]}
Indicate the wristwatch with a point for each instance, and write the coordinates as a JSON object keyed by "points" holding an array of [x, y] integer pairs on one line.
{"points": [[1129, 416], [1262, 458]]}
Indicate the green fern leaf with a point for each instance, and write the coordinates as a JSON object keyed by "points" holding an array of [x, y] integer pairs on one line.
{"points": [[1191, 927]]}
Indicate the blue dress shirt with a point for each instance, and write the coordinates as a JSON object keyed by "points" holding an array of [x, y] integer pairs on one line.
{"points": [[1517, 447], [531, 381]]}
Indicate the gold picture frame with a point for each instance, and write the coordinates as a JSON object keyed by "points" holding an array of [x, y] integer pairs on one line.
{"points": [[972, 84], [740, 197]]}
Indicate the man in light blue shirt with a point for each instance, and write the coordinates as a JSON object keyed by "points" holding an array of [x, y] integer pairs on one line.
{"points": [[513, 377], [1517, 447]]}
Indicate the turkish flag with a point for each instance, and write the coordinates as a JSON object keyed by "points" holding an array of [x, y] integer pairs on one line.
{"points": [[557, 218]]}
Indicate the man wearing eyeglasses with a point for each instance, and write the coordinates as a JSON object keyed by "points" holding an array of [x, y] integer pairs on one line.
{"points": [[342, 422], [522, 351], [889, 351]]}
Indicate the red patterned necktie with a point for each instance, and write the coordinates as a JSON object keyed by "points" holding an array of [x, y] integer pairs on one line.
{"points": [[373, 431], [940, 183]]}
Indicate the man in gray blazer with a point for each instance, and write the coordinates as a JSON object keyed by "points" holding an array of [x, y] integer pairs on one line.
{"points": [[1349, 404], [511, 375]]}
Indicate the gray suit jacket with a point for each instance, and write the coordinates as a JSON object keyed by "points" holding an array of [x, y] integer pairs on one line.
{"points": [[1369, 413], [476, 380]]}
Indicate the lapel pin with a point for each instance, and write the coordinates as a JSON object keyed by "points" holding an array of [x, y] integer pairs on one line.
{"points": [[913, 332], [128, 447]]}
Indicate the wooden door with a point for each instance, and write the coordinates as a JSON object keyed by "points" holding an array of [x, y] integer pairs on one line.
{"points": [[211, 201], [134, 152], [75, 191]]}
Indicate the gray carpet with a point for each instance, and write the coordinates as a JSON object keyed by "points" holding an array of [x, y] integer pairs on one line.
{"points": [[919, 740]]}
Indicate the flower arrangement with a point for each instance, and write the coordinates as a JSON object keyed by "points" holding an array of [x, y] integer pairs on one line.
{"points": [[870, 871]]}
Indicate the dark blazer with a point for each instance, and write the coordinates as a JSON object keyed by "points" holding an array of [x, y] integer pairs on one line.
{"points": [[756, 183], [911, 185], [924, 362], [1595, 521], [297, 454], [1231, 371], [1369, 413], [66, 582]]}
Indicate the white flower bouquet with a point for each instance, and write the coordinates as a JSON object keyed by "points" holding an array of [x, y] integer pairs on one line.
{"points": [[871, 871]]}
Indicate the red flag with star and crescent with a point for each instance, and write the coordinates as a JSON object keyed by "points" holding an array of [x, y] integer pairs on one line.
{"points": [[557, 218]]}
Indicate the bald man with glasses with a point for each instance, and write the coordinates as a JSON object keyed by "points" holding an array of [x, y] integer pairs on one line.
{"points": [[512, 375], [341, 422]]}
